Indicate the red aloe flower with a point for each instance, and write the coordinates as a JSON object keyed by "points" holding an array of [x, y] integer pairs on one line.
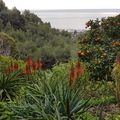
{"points": [[34, 66], [79, 69], [27, 70], [39, 64], [29, 61], [73, 75], [11, 67], [16, 67], [117, 60]]}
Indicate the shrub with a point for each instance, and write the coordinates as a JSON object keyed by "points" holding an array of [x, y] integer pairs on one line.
{"points": [[7, 45], [116, 77], [6, 61]]}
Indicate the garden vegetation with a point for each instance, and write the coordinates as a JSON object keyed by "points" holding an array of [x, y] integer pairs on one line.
{"points": [[48, 74]]}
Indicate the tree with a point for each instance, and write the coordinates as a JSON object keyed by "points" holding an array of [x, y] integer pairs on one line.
{"points": [[4, 16], [99, 46], [7, 45], [31, 17], [2, 5], [1, 24], [16, 19]]}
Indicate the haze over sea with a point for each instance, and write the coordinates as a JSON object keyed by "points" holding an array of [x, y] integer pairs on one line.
{"points": [[73, 19]]}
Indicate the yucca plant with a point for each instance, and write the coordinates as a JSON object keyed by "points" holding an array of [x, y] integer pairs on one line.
{"points": [[52, 98], [10, 85]]}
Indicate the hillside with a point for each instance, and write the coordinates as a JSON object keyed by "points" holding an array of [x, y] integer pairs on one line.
{"points": [[34, 37]]}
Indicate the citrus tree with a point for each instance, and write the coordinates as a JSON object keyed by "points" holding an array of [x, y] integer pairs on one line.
{"points": [[99, 45]]}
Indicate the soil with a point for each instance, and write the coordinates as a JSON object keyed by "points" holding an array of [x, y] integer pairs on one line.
{"points": [[104, 110]]}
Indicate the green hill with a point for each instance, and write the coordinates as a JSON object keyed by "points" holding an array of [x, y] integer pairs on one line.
{"points": [[34, 37]]}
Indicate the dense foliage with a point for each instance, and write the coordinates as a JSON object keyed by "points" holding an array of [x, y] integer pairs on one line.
{"points": [[116, 77], [99, 46], [61, 93], [35, 38], [8, 46], [75, 88]]}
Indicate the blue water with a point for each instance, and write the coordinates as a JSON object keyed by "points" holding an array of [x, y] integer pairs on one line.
{"points": [[73, 19]]}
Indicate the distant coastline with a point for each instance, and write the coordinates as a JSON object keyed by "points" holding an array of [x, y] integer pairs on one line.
{"points": [[77, 10]]}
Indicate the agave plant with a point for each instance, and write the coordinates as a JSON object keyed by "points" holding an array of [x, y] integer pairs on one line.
{"points": [[52, 98], [10, 85]]}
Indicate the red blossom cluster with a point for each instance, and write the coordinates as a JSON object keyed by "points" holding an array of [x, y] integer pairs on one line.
{"points": [[75, 72], [12, 68], [32, 66]]}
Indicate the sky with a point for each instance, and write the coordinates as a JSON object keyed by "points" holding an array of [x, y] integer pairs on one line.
{"points": [[62, 4]]}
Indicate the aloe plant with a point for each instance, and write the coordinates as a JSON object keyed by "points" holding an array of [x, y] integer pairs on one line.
{"points": [[51, 98], [10, 85]]}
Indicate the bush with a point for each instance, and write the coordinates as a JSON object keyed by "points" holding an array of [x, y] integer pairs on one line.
{"points": [[6, 61], [100, 48], [7, 45], [116, 77]]}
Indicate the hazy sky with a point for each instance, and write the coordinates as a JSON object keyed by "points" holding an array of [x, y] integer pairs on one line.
{"points": [[63, 4]]}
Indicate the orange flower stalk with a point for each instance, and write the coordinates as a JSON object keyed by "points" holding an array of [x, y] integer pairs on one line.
{"points": [[39, 64], [13, 67], [16, 67], [29, 61], [117, 60], [27, 70], [73, 75], [79, 69], [34, 66]]}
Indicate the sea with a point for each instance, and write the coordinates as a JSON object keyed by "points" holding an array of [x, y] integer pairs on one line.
{"points": [[73, 19]]}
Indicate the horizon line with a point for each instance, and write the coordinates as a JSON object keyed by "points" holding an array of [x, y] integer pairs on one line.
{"points": [[115, 9]]}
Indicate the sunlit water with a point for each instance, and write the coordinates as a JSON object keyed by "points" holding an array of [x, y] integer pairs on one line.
{"points": [[73, 19]]}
